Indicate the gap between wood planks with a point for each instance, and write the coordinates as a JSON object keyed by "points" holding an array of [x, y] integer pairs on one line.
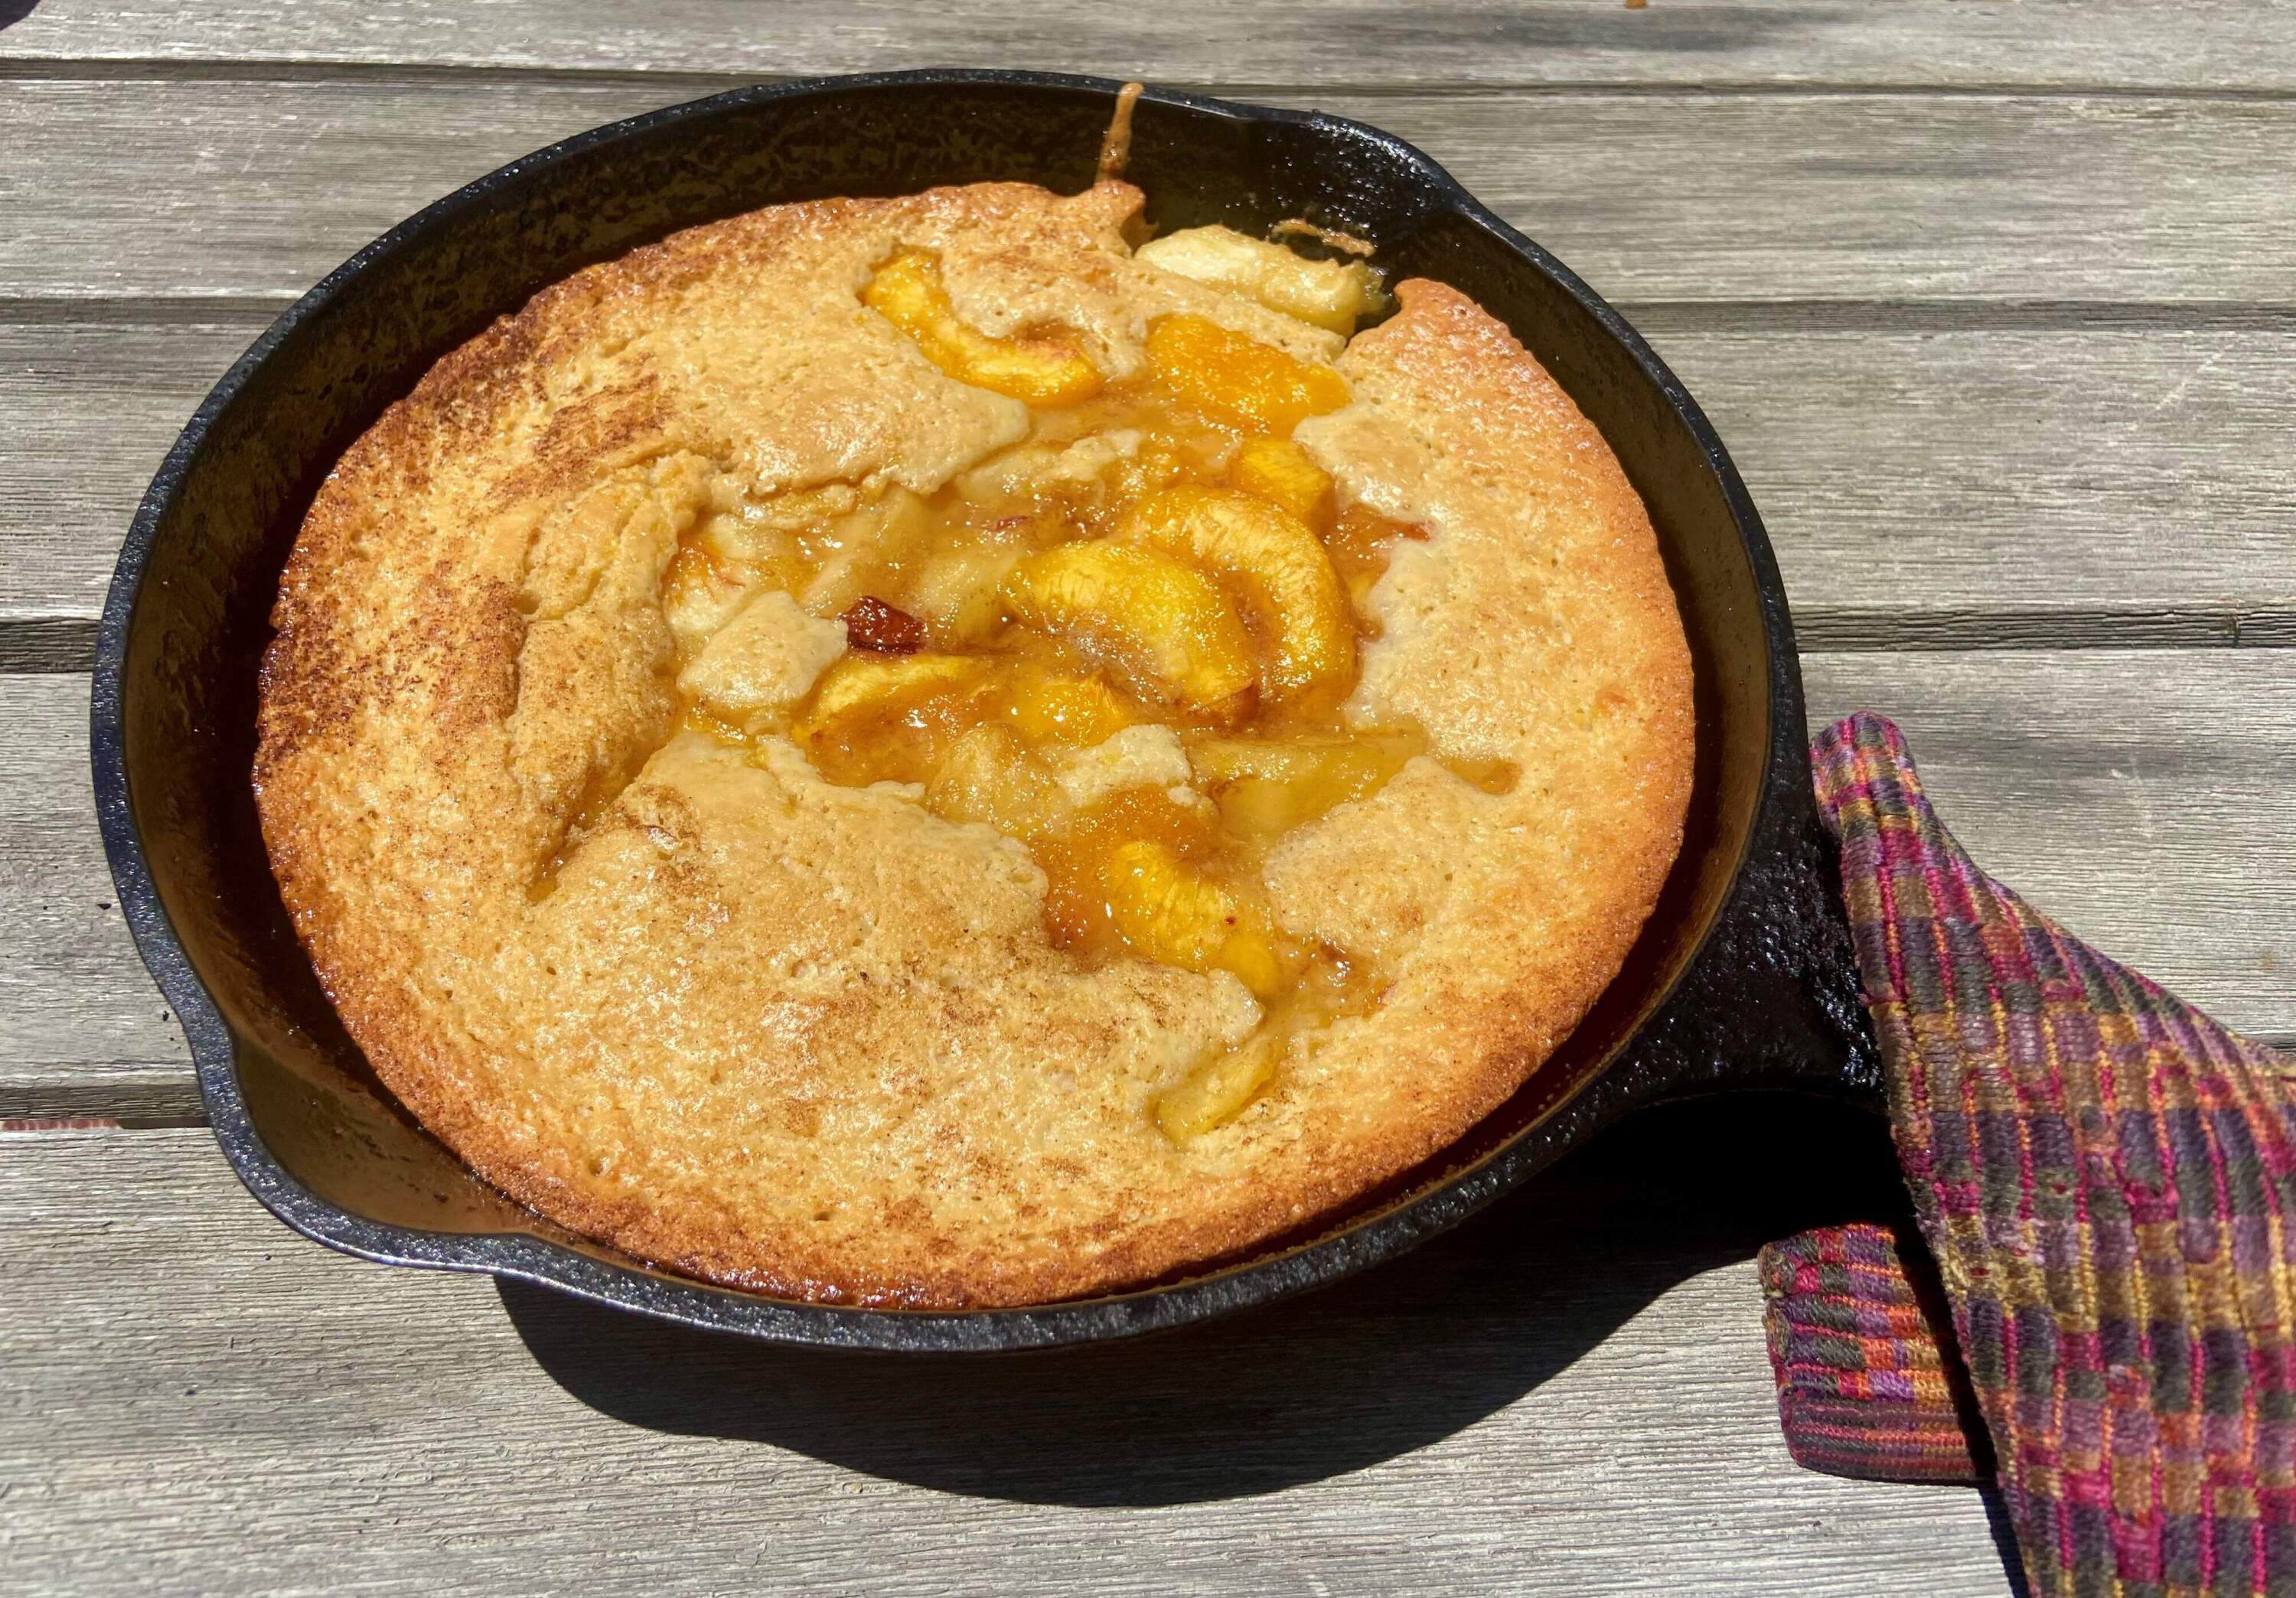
{"points": [[34, 646], [275, 70]]}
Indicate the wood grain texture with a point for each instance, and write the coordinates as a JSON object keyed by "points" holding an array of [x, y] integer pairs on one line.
{"points": [[2132, 794], [194, 1399], [2135, 796], [72, 992], [2215, 44], [1932, 488], [258, 188], [87, 411]]}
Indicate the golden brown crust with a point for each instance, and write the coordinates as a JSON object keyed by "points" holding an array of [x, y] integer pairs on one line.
{"points": [[1538, 626], [811, 1040]]}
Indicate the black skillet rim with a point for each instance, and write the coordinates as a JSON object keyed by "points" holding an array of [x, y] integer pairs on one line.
{"points": [[1356, 1244]]}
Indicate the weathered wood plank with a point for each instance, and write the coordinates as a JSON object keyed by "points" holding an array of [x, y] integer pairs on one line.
{"points": [[2003, 478], [1941, 488], [2132, 794], [197, 1401], [2213, 44], [72, 991], [86, 412], [258, 188]]}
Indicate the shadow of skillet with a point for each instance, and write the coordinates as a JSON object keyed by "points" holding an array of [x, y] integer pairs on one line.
{"points": [[1375, 1366], [12, 11]]}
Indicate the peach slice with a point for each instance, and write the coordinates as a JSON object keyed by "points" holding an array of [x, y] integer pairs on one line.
{"points": [[1157, 620], [907, 290], [1266, 787], [1236, 380], [866, 548], [859, 688], [1280, 471], [988, 776], [1218, 1091], [1173, 913], [1052, 706], [1277, 559], [956, 592], [1330, 294]]}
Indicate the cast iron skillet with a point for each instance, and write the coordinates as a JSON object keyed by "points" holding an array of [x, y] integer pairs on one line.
{"points": [[1744, 977]]}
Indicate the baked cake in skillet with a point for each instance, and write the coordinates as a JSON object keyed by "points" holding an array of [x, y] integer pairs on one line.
{"points": [[909, 752]]}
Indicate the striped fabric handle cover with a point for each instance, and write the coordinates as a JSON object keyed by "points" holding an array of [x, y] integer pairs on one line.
{"points": [[2106, 1180]]}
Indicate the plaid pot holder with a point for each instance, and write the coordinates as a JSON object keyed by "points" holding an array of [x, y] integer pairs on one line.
{"points": [[2106, 1182]]}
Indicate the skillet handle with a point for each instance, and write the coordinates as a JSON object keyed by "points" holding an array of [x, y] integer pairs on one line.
{"points": [[1774, 999]]}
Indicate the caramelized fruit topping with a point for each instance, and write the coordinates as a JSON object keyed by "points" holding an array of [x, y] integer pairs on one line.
{"points": [[1236, 381], [1276, 561], [889, 717], [907, 290], [1330, 294], [1267, 786], [1051, 705], [1283, 473], [1123, 641], [1169, 910], [1158, 622]]}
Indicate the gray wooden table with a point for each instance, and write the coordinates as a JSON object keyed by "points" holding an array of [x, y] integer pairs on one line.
{"points": [[1995, 305]]}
